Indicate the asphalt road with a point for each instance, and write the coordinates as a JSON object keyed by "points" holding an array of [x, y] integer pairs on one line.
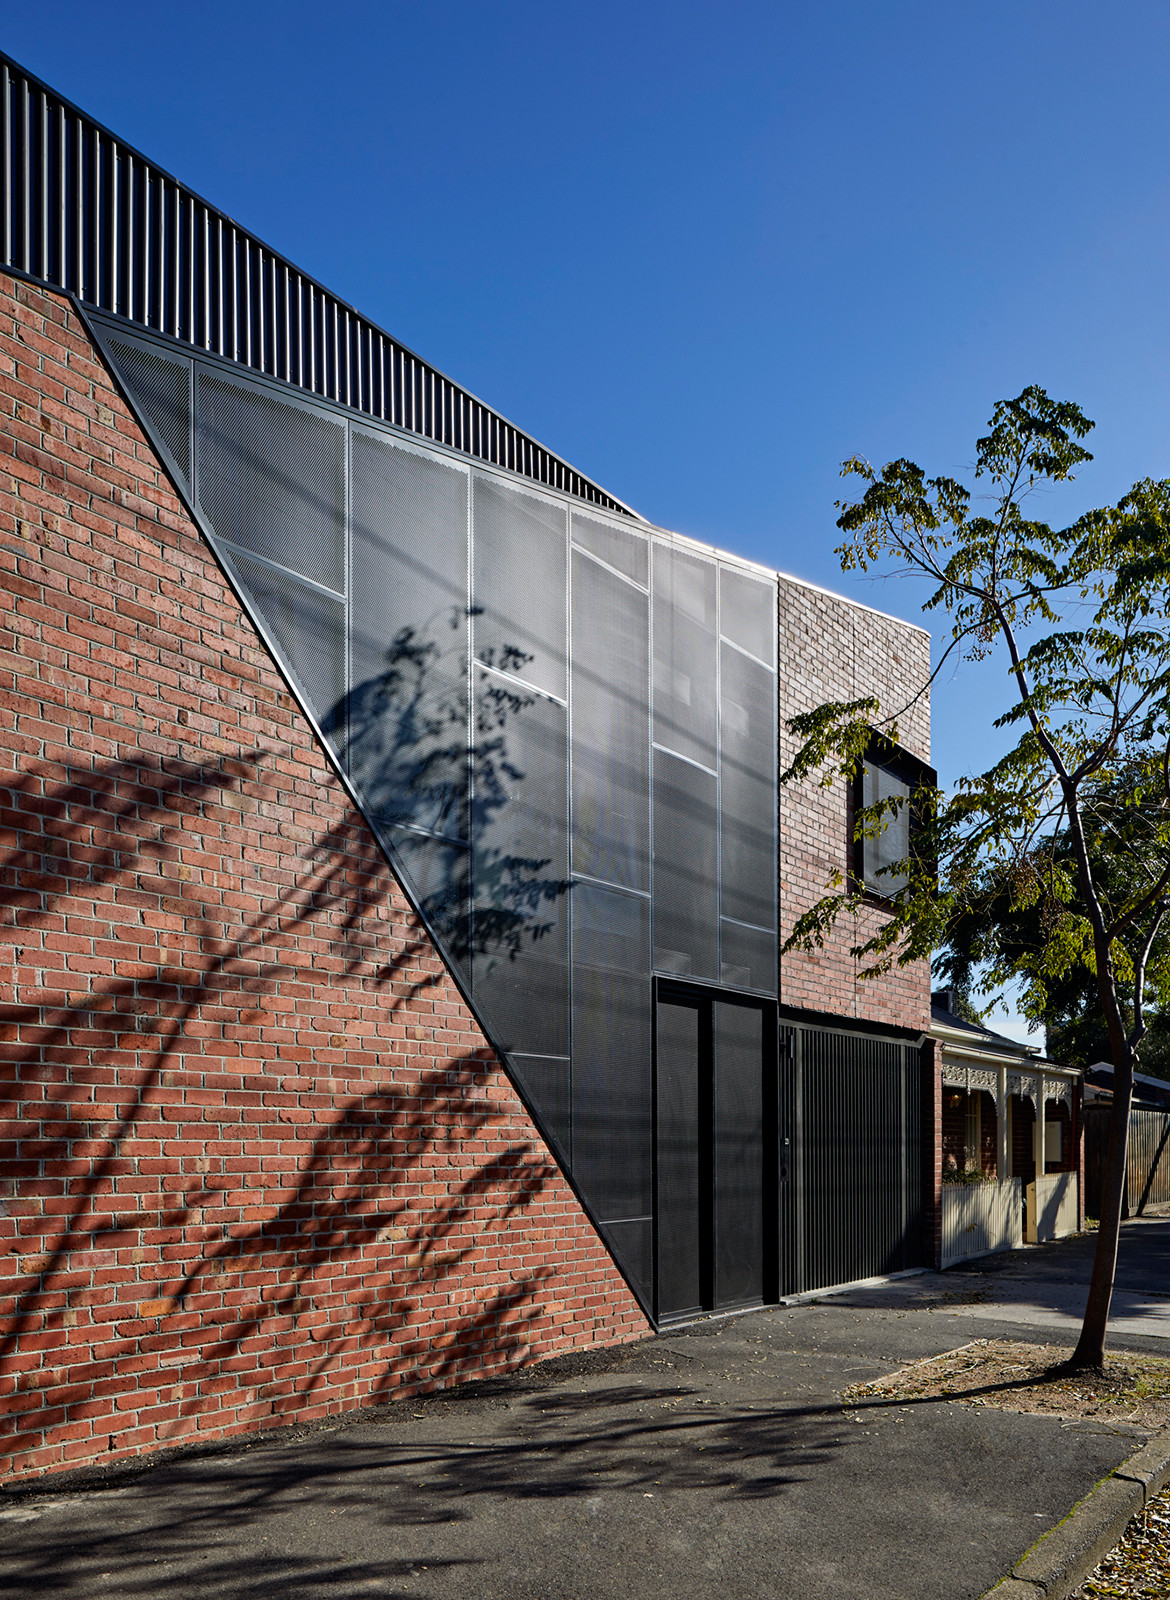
{"points": [[712, 1459]]}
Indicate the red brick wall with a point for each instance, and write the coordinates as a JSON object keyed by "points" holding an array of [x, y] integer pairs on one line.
{"points": [[989, 1133], [1022, 1156], [833, 649], [262, 1165]]}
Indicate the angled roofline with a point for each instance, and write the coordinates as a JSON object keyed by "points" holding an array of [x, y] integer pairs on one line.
{"points": [[71, 200]]}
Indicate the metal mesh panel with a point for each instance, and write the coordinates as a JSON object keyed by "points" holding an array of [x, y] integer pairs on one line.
{"points": [[739, 1154], [308, 628], [439, 874], [407, 717], [520, 866], [684, 654], [628, 552], [611, 727], [861, 1150], [747, 798], [519, 584], [545, 1081], [748, 957], [679, 1167], [612, 1079], [747, 612], [159, 386], [686, 927], [272, 476], [633, 1244]]}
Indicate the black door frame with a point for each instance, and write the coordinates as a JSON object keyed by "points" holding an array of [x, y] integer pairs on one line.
{"points": [[775, 1163]]}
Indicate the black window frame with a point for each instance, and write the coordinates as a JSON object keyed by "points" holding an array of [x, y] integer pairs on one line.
{"points": [[883, 753]]}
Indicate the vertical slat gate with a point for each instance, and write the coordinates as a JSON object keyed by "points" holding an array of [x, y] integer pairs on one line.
{"points": [[860, 1150]]}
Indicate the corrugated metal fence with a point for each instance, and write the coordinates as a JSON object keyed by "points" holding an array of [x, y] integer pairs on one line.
{"points": [[82, 211], [1147, 1163]]}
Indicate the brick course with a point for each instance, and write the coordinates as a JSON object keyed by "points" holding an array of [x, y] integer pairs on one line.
{"points": [[833, 649], [262, 1165]]}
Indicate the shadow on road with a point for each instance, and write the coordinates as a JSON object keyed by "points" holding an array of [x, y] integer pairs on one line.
{"points": [[191, 1527]]}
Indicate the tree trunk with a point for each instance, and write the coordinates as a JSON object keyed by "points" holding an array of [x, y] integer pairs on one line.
{"points": [[1090, 1350]]}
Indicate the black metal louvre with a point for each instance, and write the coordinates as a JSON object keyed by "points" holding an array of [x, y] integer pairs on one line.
{"points": [[790, 1158], [857, 1105], [82, 211]]}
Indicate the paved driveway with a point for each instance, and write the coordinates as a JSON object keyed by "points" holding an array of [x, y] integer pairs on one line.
{"points": [[1043, 1289], [715, 1459]]}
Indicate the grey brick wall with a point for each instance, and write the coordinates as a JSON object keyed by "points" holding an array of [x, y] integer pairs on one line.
{"points": [[834, 649]]}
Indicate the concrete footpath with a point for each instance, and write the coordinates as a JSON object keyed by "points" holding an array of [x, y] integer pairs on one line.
{"points": [[712, 1459]]}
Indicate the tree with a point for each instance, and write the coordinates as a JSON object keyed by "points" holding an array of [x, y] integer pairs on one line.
{"points": [[990, 937], [1076, 615]]}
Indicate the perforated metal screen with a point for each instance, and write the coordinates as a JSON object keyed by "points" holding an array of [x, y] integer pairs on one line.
{"points": [[161, 385], [611, 726], [614, 1103], [686, 655], [520, 866], [407, 741], [272, 476], [747, 704], [619, 547], [519, 584], [686, 868], [306, 624], [562, 729]]}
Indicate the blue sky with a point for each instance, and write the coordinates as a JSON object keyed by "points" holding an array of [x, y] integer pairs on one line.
{"points": [[703, 251]]}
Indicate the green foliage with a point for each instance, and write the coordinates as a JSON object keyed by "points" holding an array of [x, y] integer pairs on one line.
{"points": [[968, 1175], [994, 934], [1053, 866]]}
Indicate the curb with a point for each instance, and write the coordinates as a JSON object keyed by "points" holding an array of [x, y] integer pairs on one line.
{"points": [[1061, 1560]]}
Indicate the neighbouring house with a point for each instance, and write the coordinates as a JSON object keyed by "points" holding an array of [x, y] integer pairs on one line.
{"points": [[1149, 1091], [1010, 1140], [395, 862]]}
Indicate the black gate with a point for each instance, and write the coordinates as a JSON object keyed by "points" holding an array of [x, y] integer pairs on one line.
{"points": [[787, 1159], [853, 1111], [716, 1180]]}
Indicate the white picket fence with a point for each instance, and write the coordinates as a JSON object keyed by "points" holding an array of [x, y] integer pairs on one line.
{"points": [[980, 1217], [1052, 1207]]}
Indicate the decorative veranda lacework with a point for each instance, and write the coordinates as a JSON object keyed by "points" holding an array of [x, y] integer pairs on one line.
{"points": [[1027, 1085], [970, 1078]]}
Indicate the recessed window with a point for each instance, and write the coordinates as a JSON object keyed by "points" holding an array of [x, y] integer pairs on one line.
{"points": [[879, 783]]}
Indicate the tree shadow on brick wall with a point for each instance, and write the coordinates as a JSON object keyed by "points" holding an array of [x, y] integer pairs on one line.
{"points": [[283, 1267]]}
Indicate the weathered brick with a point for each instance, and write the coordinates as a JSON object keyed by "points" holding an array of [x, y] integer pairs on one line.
{"points": [[259, 1181], [834, 649]]}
